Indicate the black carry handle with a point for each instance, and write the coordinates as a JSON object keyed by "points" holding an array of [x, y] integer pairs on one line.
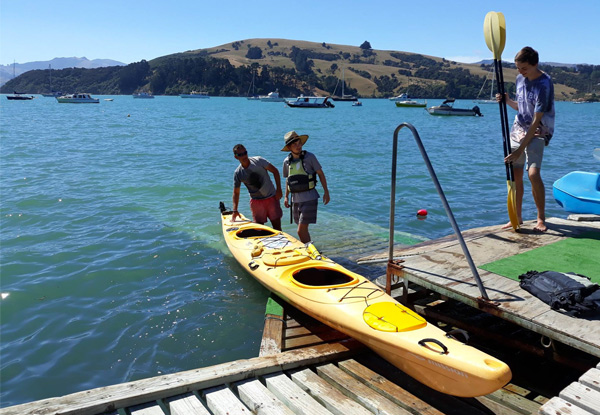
{"points": [[436, 341]]}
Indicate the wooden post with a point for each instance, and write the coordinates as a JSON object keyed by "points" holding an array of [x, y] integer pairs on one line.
{"points": [[272, 340]]}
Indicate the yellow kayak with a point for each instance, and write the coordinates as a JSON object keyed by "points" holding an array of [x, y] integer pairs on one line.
{"points": [[353, 305]]}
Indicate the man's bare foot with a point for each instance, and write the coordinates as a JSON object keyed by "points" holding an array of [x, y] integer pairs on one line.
{"points": [[509, 225], [541, 226]]}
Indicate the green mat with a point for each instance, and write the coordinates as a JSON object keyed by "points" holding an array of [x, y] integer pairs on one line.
{"points": [[579, 254]]}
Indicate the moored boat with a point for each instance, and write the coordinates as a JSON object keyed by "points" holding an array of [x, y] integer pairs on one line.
{"points": [[195, 94], [53, 94], [578, 192], [400, 97], [357, 104], [143, 95], [344, 96], [271, 97], [78, 98], [353, 305], [491, 100], [310, 102], [411, 103], [17, 96], [447, 108]]}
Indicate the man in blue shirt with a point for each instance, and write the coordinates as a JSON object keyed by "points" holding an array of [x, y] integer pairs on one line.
{"points": [[532, 129]]}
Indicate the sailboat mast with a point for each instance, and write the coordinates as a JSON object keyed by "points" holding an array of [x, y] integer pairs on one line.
{"points": [[343, 80]]}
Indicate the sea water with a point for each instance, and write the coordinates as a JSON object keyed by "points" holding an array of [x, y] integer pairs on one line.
{"points": [[113, 265]]}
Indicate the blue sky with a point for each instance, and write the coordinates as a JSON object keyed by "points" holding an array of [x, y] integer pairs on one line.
{"points": [[129, 31]]}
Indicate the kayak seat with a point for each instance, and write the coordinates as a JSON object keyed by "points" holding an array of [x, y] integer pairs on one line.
{"points": [[256, 233], [392, 317], [322, 277]]}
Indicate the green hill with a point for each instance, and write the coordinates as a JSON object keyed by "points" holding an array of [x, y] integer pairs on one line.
{"points": [[293, 67]]}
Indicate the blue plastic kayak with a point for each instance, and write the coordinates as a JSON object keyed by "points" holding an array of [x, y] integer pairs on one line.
{"points": [[578, 192]]}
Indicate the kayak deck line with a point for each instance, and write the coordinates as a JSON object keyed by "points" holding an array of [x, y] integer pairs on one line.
{"points": [[437, 266]]}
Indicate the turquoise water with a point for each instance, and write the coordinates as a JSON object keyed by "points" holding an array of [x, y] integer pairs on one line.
{"points": [[112, 257]]}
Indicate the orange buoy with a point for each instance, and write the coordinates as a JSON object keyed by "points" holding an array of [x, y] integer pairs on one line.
{"points": [[422, 212]]}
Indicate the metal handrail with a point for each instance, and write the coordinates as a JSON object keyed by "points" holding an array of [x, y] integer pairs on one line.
{"points": [[442, 197]]}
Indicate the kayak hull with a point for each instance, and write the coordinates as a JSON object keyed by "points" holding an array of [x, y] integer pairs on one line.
{"points": [[353, 305]]}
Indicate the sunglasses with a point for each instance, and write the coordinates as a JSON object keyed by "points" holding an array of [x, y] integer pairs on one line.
{"points": [[241, 154]]}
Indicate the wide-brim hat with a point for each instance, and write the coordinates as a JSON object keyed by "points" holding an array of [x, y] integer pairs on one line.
{"points": [[292, 136]]}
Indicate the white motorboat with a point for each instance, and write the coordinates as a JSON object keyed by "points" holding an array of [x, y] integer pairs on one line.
{"points": [[77, 99], [271, 97], [446, 108], [310, 102], [143, 95], [400, 97], [195, 94]]}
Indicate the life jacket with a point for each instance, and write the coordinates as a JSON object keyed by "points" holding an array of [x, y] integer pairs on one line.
{"points": [[298, 179], [574, 293]]}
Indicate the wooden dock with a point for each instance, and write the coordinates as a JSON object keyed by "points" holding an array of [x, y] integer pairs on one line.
{"points": [[305, 367], [440, 265], [317, 371]]}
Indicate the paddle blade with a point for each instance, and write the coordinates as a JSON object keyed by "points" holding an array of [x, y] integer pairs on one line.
{"points": [[493, 34], [487, 27], [511, 202], [502, 28]]}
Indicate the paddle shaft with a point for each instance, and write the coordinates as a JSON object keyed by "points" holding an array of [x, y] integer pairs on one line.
{"points": [[503, 118]]}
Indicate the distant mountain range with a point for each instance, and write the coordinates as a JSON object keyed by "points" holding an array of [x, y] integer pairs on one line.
{"points": [[7, 72]]}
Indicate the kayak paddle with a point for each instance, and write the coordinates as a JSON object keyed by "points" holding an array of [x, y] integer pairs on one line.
{"points": [[494, 30]]}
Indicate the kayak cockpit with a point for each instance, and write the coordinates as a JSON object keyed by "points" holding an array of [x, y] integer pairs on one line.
{"points": [[322, 277], [255, 233]]}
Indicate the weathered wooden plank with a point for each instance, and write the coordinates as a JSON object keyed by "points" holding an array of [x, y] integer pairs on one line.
{"points": [[591, 379], [186, 404], [498, 408], [359, 392], [222, 401], [582, 396], [327, 395], [272, 339], [260, 400], [123, 395], [510, 402], [151, 408], [558, 406], [313, 339], [388, 389], [300, 402]]}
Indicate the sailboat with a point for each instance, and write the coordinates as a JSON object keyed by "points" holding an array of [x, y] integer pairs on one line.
{"points": [[492, 99], [18, 96], [252, 97], [54, 93], [344, 97]]}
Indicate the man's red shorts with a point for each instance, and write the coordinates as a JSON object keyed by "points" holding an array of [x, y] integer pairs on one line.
{"points": [[263, 209]]}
